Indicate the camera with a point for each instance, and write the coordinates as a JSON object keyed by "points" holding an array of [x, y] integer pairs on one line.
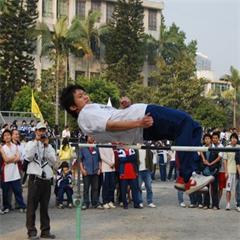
{"points": [[43, 136], [43, 174]]}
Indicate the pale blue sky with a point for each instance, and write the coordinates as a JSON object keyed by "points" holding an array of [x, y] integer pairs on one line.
{"points": [[215, 24]]}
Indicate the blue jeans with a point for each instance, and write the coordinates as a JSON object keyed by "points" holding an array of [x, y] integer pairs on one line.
{"points": [[69, 192], [133, 183], [162, 168], [108, 187], [238, 191], [17, 190], [145, 176], [180, 196], [177, 126]]}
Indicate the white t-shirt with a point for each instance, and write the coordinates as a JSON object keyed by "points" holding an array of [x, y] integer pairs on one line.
{"points": [[66, 134], [142, 159], [11, 171], [108, 159], [93, 120]]}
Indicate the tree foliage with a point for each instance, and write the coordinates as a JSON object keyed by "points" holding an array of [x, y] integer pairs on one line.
{"points": [[124, 43], [175, 79], [17, 22], [22, 102], [99, 90]]}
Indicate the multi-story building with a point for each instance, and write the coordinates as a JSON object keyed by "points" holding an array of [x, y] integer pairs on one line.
{"points": [[204, 70], [50, 10]]}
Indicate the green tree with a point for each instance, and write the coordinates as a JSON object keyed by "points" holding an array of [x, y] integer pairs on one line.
{"points": [[210, 115], [57, 45], [124, 42], [89, 36], [22, 102], [234, 79], [175, 79], [17, 21], [99, 90]]}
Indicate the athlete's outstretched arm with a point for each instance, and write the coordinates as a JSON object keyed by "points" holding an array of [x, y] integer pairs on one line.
{"points": [[145, 122]]}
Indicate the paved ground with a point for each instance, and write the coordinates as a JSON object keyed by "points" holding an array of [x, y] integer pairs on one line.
{"points": [[166, 222]]}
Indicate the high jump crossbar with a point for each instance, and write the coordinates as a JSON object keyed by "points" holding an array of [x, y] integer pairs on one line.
{"points": [[167, 148]]}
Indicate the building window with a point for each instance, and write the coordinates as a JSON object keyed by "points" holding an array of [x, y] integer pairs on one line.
{"points": [[47, 10], [96, 5], [110, 10], [62, 8], [152, 19], [80, 8]]}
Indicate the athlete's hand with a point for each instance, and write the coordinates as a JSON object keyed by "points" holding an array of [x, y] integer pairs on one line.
{"points": [[146, 121]]}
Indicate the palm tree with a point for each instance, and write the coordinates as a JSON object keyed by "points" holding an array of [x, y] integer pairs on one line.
{"points": [[234, 79], [57, 45], [89, 32]]}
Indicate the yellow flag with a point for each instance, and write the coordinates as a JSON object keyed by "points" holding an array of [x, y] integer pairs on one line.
{"points": [[35, 109]]}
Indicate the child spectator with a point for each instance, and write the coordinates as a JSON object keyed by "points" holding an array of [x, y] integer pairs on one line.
{"points": [[237, 159], [66, 151], [11, 176], [64, 185], [230, 169], [90, 166], [128, 176], [109, 177], [211, 165]]}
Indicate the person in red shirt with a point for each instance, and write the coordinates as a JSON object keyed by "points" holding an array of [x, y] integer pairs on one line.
{"points": [[128, 175]]}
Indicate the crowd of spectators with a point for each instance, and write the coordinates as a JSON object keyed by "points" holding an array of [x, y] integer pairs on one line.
{"points": [[122, 176]]}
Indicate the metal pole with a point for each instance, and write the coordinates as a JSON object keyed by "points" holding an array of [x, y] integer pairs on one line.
{"points": [[173, 148]]}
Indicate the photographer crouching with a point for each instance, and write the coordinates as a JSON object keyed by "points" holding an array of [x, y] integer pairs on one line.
{"points": [[40, 157]]}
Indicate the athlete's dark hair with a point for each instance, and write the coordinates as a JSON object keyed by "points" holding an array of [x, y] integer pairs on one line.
{"points": [[67, 98]]}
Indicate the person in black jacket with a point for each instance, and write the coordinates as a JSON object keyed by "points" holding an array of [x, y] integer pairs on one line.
{"points": [[211, 165], [237, 159]]}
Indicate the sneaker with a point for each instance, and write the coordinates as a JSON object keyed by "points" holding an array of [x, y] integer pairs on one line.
{"points": [[48, 236], [215, 208], [1, 212], [151, 205], [182, 204], [180, 184], [200, 206], [22, 210], [141, 205], [99, 206], [228, 207], [70, 205], [84, 207], [121, 204], [238, 209], [138, 206], [106, 206], [111, 205], [192, 206], [205, 208], [125, 207], [6, 210], [60, 206], [197, 182]]}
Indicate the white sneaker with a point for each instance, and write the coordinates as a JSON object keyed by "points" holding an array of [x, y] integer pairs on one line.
{"points": [[182, 204], [106, 206], [228, 207], [197, 182], [151, 205], [111, 205], [6, 210], [238, 209], [141, 205]]}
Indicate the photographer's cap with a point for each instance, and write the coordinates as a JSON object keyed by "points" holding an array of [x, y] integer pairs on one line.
{"points": [[40, 125]]}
